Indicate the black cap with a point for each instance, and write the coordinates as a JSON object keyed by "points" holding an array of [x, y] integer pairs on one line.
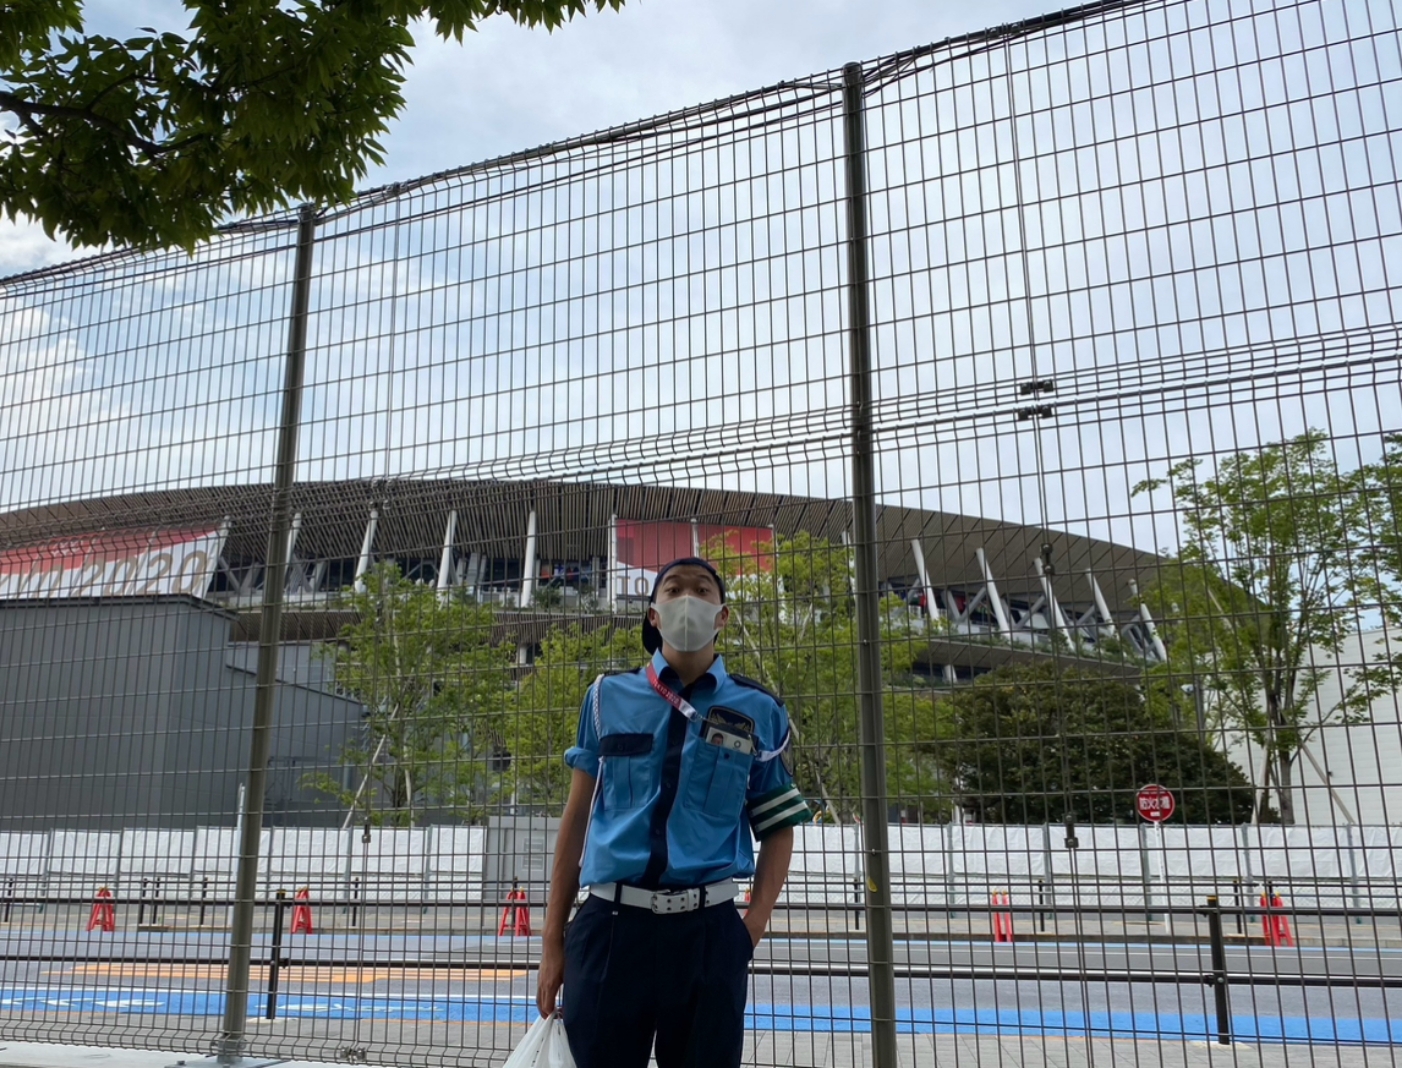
{"points": [[652, 640]]}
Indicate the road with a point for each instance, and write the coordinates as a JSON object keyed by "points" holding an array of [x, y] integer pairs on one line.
{"points": [[800, 984]]}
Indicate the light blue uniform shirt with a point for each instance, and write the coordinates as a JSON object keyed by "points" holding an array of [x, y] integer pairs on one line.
{"points": [[671, 810]]}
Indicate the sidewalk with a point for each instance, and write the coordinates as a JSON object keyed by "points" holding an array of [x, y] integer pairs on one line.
{"points": [[840, 1051]]}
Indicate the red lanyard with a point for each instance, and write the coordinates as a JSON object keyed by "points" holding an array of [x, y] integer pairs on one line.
{"points": [[682, 705], [676, 700]]}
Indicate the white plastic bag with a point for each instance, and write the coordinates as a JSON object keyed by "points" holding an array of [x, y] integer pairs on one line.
{"points": [[545, 1046]]}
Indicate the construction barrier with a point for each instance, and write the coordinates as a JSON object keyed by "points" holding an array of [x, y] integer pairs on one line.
{"points": [[104, 912]]}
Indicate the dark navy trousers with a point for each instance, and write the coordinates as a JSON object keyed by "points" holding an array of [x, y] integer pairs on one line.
{"points": [[632, 976]]}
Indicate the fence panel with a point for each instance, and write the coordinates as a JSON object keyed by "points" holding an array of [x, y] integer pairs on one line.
{"points": [[1099, 309]]}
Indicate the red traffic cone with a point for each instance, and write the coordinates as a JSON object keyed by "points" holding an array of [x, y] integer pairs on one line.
{"points": [[104, 912], [1002, 921], [302, 913], [508, 914], [515, 917], [1276, 925]]}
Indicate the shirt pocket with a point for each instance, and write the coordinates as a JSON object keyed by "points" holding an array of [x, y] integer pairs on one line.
{"points": [[718, 782], [628, 770]]}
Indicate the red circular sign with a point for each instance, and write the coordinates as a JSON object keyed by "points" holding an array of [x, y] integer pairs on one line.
{"points": [[1155, 803]]}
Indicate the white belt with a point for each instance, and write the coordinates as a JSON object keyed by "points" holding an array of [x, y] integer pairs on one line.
{"points": [[663, 902]]}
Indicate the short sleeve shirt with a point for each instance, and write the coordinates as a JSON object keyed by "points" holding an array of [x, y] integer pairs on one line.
{"points": [[670, 810]]}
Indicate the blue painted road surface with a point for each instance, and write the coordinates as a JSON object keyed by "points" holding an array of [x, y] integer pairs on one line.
{"points": [[513, 1009]]}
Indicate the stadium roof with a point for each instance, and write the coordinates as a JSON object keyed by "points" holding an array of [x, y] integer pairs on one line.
{"points": [[573, 521]]}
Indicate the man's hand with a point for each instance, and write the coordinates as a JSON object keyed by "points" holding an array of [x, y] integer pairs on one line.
{"points": [[552, 975]]}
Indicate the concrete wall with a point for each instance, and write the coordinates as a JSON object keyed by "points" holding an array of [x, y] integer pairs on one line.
{"points": [[135, 712]]}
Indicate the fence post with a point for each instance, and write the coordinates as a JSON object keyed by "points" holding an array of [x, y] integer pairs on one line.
{"points": [[1145, 874], [1219, 971], [881, 981], [1049, 875], [1356, 901], [233, 1036]]}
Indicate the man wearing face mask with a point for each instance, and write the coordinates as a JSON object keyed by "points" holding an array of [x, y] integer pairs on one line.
{"points": [[674, 766]]}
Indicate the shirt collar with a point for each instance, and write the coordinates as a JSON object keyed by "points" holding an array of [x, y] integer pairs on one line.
{"points": [[667, 673]]}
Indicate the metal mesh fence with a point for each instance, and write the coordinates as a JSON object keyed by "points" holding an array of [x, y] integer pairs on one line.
{"points": [[1036, 393]]}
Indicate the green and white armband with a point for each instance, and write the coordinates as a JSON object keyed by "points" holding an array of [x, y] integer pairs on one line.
{"points": [[781, 807]]}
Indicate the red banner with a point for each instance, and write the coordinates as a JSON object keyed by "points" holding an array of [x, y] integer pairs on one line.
{"points": [[643, 547], [123, 563]]}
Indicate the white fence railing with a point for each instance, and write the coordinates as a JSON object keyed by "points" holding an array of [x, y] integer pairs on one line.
{"points": [[931, 865]]}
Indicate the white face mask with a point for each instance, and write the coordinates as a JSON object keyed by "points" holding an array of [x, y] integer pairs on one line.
{"points": [[687, 624]]}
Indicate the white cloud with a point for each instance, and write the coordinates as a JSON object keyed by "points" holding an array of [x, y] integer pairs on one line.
{"points": [[25, 247], [508, 88]]}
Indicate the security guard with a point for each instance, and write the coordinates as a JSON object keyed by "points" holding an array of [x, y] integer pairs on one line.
{"points": [[674, 766]]}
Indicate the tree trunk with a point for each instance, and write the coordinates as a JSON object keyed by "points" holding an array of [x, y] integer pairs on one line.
{"points": [[1284, 779]]}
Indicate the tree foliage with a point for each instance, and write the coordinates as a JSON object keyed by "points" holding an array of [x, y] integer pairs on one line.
{"points": [[793, 629], [153, 140], [1034, 744], [548, 703], [1384, 502], [1277, 574], [434, 686]]}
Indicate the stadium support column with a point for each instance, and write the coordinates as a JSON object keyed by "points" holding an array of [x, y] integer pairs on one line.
{"points": [[932, 612], [1058, 617], [233, 1038], [529, 567], [445, 562], [1107, 618], [1147, 618], [367, 550], [995, 599], [881, 980]]}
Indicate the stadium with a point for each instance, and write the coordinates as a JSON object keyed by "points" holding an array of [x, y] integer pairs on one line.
{"points": [[129, 625]]}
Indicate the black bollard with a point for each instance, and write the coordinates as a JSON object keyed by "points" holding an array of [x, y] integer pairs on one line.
{"points": [[1218, 979], [275, 960]]}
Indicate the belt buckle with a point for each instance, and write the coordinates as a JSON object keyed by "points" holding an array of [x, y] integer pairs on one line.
{"points": [[666, 902]]}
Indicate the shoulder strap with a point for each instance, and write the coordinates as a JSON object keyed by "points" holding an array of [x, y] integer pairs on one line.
{"points": [[597, 700], [746, 681]]}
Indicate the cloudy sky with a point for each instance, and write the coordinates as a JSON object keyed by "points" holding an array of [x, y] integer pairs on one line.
{"points": [[507, 88]]}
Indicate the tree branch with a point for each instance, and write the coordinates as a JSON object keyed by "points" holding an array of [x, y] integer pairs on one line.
{"points": [[29, 111]]}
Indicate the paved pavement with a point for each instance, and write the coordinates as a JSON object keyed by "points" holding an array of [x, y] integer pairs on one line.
{"points": [[847, 1051], [963, 1002]]}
